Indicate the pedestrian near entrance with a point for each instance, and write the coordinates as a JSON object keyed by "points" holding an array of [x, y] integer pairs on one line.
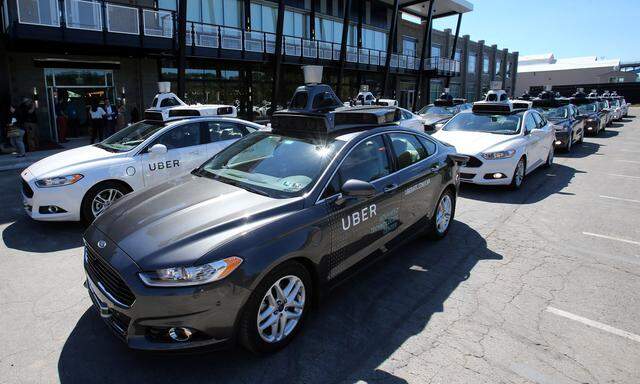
{"points": [[16, 137], [110, 118], [97, 122], [120, 123], [28, 119], [61, 122]]}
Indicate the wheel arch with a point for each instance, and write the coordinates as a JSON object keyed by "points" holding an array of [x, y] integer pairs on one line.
{"points": [[123, 183]]}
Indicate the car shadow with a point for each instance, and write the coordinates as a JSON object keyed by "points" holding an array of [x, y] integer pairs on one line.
{"points": [[615, 125], [538, 185], [356, 328], [587, 148], [29, 235]]}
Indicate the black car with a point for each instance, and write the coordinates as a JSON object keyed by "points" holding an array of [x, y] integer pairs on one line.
{"points": [[589, 111], [564, 118], [240, 248]]}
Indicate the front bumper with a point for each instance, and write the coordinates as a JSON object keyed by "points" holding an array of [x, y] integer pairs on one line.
{"points": [[36, 201], [481, 174], [562, 139], [210, 311], [591, 126]]}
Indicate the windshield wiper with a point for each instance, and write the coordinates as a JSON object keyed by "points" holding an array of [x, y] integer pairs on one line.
{"points": [[252, 189], [106, 148]]}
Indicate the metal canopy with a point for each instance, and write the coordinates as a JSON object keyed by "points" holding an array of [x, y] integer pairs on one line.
{"points": [[441, 8]]}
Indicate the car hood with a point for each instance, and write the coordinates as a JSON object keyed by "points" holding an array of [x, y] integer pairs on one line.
{"points": [[179, 221], [432, 119], [471, 143], [55, 164]]}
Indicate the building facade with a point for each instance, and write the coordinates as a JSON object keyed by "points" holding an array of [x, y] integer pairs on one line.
{"points": [[243, 52]]}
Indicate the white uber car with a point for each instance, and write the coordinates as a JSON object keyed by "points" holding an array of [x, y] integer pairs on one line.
{"points": [[503, 143], [410, 120], [81, 183]]}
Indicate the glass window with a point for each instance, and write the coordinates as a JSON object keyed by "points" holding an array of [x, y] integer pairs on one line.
{"points": [[429, 145], [498, 65], [130, 137], [485, 65], [458, 55], [471, 65], [538, 118], [529, 123], [271, 164], [436, 51], [368, 161], [221, 131], [472, 122], [409, 46], [556, 113], [167, 4], [185, 135], [220, 12], [407, 149]]}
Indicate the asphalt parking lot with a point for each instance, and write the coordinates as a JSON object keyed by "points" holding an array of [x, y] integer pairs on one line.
{"points": [[535, 286]]}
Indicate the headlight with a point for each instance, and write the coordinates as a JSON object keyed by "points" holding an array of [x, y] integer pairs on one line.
{"points": [[58, 181], [499, 155], [186, 276]]}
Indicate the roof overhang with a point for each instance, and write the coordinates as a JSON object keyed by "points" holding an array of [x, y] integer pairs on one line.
{"points": [[442, 8]]}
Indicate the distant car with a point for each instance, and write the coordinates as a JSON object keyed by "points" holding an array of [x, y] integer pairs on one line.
{"points": [[410, 120], [81, 183], [605, 107], [595, 120], [563, 118], [503, 143], [625, 107], [616, 107]]}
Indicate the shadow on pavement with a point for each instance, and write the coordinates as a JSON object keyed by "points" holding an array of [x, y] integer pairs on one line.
{"points": [[29, 235], [585, 149], [355, 330], [540, 184]]}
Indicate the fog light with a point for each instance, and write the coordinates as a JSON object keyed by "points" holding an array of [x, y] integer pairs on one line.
{"points": [[590, 129], [498, 175], [180, 334], [558, 142], [47, 209]]}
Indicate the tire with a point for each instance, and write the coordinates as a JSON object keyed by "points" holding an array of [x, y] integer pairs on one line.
{"points": [[581, 139], [569, 143], [438, 226], [549, 161], [521, 168], [249, 335], [90, 204]]}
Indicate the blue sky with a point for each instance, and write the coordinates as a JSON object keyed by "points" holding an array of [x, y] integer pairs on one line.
{"points": [[568, 28]]}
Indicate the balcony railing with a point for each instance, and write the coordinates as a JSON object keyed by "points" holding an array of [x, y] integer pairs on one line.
{"points": [[102, 16]]}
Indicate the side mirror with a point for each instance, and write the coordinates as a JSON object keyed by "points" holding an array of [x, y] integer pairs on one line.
{"points": [[354, 188], [158, 149]]}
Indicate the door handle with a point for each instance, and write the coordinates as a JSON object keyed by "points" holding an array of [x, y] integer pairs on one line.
{"points": [[390, 188]]}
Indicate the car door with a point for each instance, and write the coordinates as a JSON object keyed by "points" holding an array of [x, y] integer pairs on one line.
{"points": [[185, 151], [546, 135], [415, 177], [532, 140], [360, 226], [219, 134]]}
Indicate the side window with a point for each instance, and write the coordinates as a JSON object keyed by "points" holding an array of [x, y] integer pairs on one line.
{"points": [[185, 135], [324, 100], [529, 122], [169, 102], [429, 145], [368, 161], [406, 115], [407, 149], [538, 119], [369, 97], [224, 130]]}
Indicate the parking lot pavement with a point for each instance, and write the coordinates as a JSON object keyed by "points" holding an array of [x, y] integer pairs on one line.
{"points": [[539, 285]]}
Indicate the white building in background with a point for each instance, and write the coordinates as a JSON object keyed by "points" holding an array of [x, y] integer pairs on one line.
{"points": [[538, 71]]}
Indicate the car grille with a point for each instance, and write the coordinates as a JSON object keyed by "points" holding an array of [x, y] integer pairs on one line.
{"points": [[26, 189], [102, 273], [467, 175], [473, 162]]}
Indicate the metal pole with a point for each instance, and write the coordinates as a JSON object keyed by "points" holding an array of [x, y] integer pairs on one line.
{"points": [[426, 39], [455, 45], [278, 57], [182, 40], [343, 45], [392, 37]]}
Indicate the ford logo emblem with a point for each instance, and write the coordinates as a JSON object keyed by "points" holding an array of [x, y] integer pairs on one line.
{"points": [[102, 244]]}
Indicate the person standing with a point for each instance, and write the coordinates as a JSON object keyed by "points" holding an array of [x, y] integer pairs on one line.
{"points": [[97, 115], [29, 123], [16, 136], [110, 118], [61, 121], [120, 118]]}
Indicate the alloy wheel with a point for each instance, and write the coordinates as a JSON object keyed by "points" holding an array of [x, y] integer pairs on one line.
{"points": [[519, 174], [104, 199], [443, 215], [281, 309]]}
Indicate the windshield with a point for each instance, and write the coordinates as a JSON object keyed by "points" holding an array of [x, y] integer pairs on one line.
{"points": [[555, 113], [615, 103], [433, 110], [476, 122], [271, 164], [131, 136], [587, 108]]}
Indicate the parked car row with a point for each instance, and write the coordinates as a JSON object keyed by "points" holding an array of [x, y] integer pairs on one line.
{"points": [[234, 230]]}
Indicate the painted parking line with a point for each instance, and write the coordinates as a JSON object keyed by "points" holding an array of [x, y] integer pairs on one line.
{"points": [[619, 199], [611, 238], [629, 161], [594, 324]]}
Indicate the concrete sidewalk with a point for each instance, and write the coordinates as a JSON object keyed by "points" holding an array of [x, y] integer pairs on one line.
{"points": [[9, 162]]}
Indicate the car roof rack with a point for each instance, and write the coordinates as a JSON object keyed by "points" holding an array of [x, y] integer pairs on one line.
{"points": [[497, 103], [548, 99], [580, 98]]}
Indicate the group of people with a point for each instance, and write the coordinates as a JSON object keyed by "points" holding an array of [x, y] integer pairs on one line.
{"points": [[22, 127], [105, 121]]}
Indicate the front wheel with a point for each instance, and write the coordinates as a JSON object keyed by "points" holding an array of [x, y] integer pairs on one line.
{"points": [[276, 309], [99, 198], [518, 174], [550, 155], [441, 220]]}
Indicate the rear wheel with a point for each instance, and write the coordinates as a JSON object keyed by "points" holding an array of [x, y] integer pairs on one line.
{"points": [[518, 174], [276, 309], [99, 198], [441, 220]]}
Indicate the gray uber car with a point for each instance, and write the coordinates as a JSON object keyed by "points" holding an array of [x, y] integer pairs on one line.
{"points": [[241, 247]]}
